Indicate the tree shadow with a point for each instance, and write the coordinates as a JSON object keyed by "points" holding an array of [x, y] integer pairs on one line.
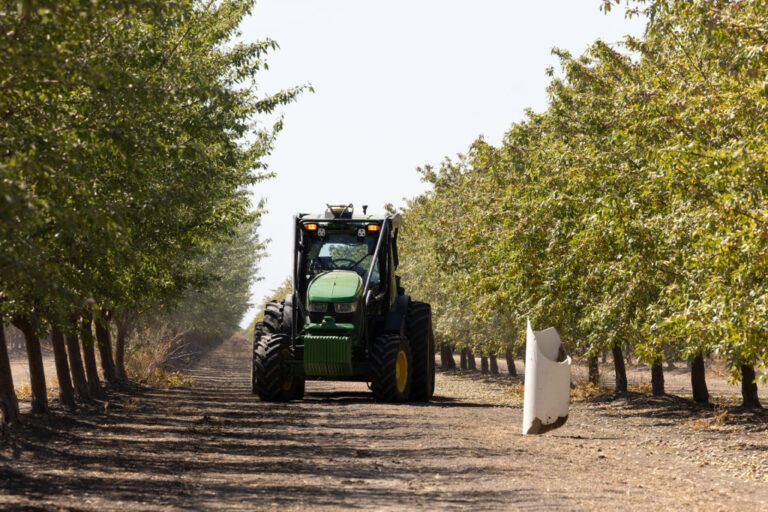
{"points": [[228, 447], [677, 409], [350, 397], [484, 378]]}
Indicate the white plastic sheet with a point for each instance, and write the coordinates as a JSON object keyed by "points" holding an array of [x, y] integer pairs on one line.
{"points": [[547, 382]]}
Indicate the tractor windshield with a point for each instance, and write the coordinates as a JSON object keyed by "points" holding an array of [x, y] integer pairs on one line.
{"points": [[342, 252]]}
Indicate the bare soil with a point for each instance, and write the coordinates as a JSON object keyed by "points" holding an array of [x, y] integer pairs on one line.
{"points": [[215, 446]]}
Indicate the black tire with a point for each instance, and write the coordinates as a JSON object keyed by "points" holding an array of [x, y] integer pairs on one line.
{"points": [[387, 381], [418, 329], [286, 326], [278, 318], [268, 381], [258, 332]]}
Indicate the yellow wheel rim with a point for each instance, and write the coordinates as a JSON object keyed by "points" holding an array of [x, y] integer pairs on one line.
{"points": [[287, 383], [401, 371]]}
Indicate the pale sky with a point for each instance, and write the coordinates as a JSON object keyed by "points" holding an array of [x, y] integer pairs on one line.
{"points": [[399, 84]]}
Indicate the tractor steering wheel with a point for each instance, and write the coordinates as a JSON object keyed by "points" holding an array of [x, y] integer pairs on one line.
{"points": [[350, 267]]}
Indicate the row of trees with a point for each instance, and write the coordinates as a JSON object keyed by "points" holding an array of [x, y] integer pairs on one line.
{"points": [[127, 144], [632, 212]]}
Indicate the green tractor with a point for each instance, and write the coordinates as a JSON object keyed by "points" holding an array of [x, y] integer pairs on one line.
{"points": [[347, 318]]}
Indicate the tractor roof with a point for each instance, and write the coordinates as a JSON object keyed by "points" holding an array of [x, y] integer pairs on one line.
{"points": [[346, 212], [353, 217]]}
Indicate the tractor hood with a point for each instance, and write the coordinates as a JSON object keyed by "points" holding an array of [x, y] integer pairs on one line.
{"points": [[335, 286]]}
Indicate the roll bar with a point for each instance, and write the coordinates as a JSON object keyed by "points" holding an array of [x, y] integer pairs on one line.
{"points": [[384, 233]]}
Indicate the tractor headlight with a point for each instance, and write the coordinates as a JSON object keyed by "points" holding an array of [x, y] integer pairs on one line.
{"points": [[345, 307], [317, 307]]}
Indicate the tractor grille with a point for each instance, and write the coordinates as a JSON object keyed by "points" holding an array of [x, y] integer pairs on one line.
{"points": [[327, 356], [339, 318]]}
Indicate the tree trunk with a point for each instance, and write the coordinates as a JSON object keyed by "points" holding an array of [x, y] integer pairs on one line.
{"points": [[9, 404], [699, 380], [471, 363], [657, 378], [120, 355], [494, 365], [124, 322], [464, 360], [604, 357], [86, 338], [749, 387], [510, 355], [105, 347], [446, 357], [66, 393], [76, 360], [594, 371], [620, 369], [483, 364], [36, 371]]}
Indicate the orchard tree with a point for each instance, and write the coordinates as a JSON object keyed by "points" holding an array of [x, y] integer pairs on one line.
{"points": [[128, 146]]}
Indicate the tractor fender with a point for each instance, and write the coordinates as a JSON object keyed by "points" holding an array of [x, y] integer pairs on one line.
{"points": [[394, 321]]}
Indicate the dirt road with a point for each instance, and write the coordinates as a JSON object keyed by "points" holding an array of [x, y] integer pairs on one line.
{"points": [[214, 446]]}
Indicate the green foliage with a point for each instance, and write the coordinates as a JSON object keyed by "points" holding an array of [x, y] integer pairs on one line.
{"points": [[128, 145], [215, 307], [633, 210]]}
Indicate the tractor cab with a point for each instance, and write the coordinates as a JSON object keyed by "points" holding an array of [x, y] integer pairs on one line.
{"points": [[346, 263]]}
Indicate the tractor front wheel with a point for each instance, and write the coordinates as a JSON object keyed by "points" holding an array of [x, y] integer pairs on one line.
{"points": [[391, 368], [268, 380]]}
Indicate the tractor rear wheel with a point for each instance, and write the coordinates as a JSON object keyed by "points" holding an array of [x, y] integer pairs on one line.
{"points": [[391, 368], [268, 380], [418, 329]]}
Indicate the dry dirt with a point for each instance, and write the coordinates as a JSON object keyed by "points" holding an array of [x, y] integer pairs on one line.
{"points": [[216, 446]]}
